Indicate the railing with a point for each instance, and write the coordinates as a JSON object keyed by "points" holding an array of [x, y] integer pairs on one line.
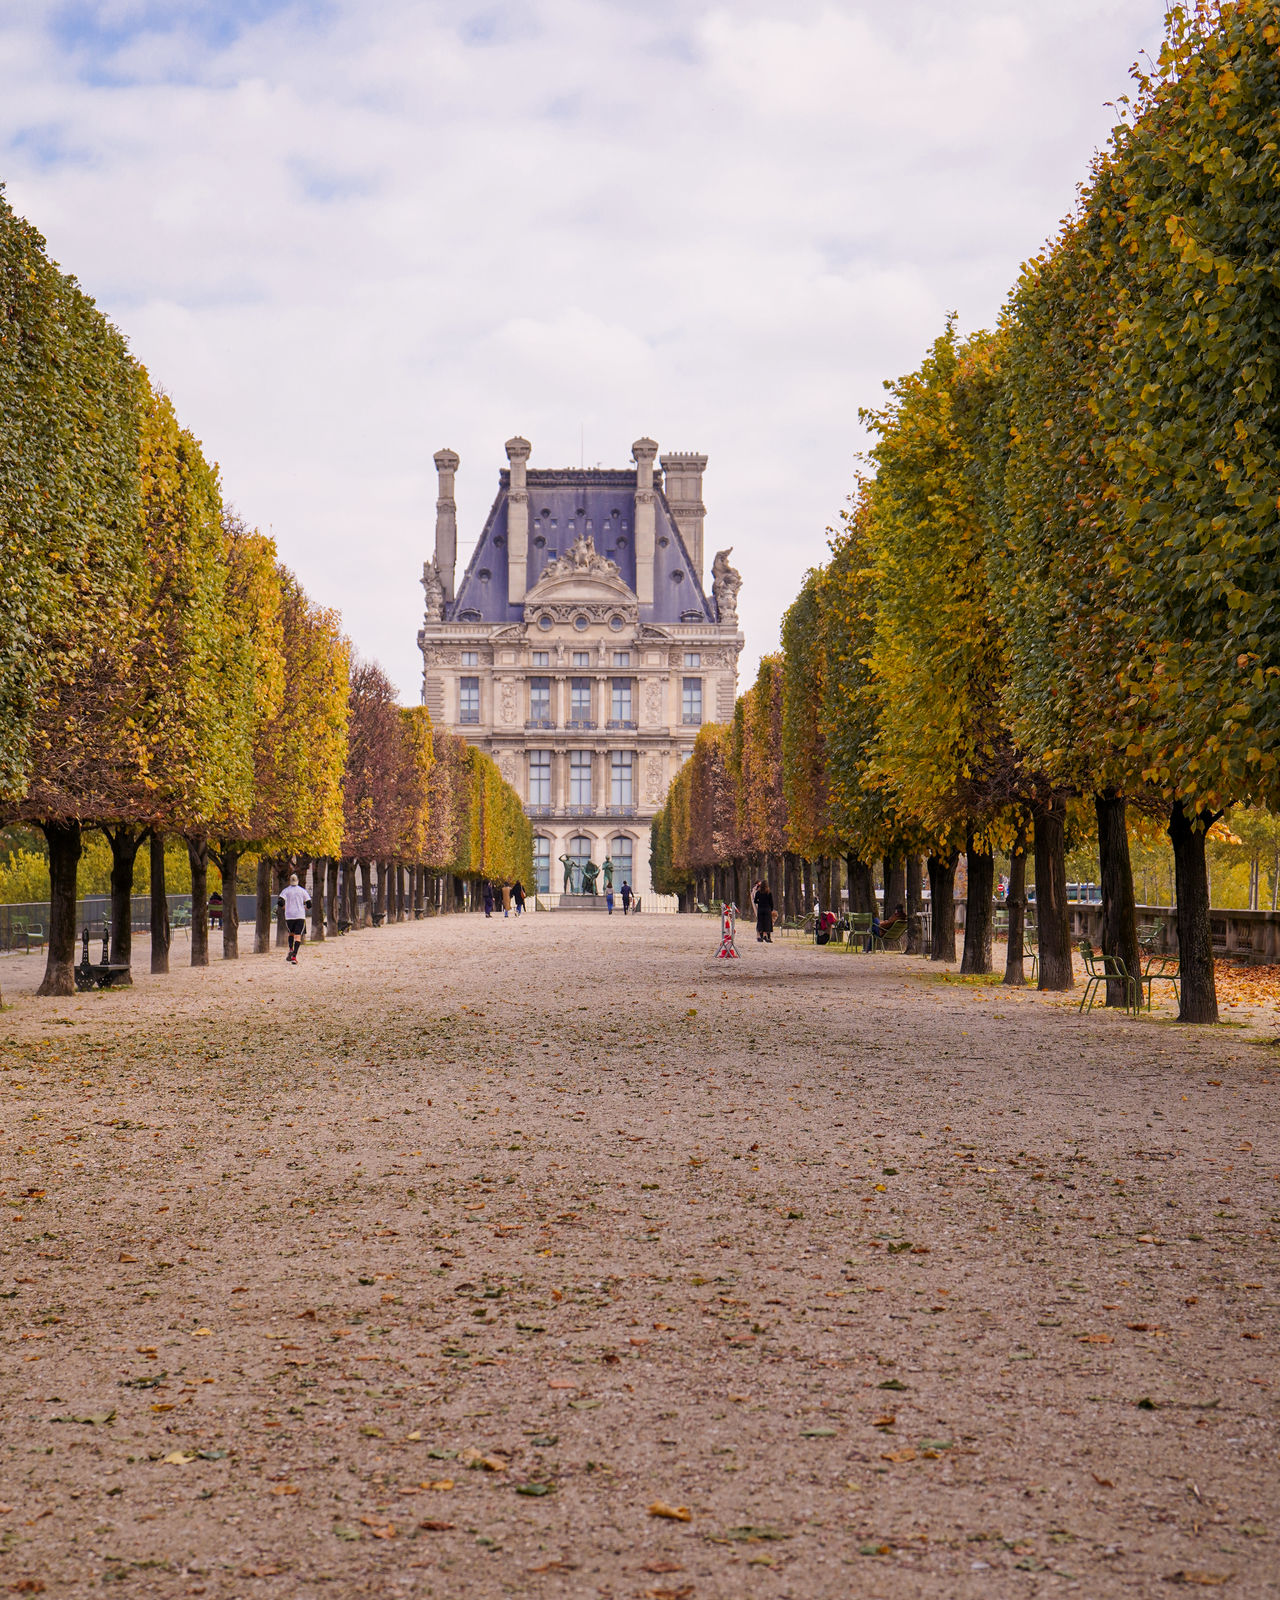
{"points": [[579, 722], [16, 918], [619, 722], [539, 722], [620, 811], [1245, 935]]}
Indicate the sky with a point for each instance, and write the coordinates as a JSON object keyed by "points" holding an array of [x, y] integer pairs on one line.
{"points": [[345, 233]]}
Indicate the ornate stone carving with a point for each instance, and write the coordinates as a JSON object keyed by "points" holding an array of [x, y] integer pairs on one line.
{"points": [[725, 583], [507, 703], [655, 779], [653, 703], [434, 587], [581, 559], [507, 766], [439, 655]]}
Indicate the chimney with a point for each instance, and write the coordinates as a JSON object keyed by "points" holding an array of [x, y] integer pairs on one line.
{"points": [[683, 471], [446, 520], [643, 451], [518, 452]]}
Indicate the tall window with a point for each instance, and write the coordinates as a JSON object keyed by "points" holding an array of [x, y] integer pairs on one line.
{"points": [[468, 699], [541, 865], [622, 658], [540, 777], [621, 702], [621, 767], [580, 699], [539, 699], [542, 658], [579, 849], [623, 864], [579, 777], [692, 701], [582, 658]]}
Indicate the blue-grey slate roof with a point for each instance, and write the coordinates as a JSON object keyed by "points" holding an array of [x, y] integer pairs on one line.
{"points": [[562, 505]]}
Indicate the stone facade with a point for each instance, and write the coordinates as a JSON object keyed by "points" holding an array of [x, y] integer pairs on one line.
{"points": [[580, 648]]}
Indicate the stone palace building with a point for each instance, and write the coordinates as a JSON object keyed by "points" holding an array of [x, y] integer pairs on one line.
{"points": [[581, 648]]}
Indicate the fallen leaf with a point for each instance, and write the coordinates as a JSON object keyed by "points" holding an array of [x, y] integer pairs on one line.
{"points": [[436, 1527], [285, 1488], [177, 1458], [378, 1528], [1208, 1580], [658, 1567], [905, 1454], [660, 1508], [262, 1572], [1095, 1338], [1105, 1483], [535, 1489], [561, 1383]]}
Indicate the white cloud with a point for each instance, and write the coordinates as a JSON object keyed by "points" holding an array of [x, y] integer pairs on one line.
{"points": [[345, 234]]}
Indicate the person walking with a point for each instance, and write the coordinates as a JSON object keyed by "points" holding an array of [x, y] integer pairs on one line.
{"points": [[506, 899], [626, 897], [488, 898], [517, 894], [608, 899], [764, 914], [294, 901]]}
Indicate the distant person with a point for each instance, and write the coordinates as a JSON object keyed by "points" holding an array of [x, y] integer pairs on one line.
{"points": [[506, 899], [764, 914], [488, 898], [608, 899], [517, 894], [294, 901], [626, 897], [215, 909]]}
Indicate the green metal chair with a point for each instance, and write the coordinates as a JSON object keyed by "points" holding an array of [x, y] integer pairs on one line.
{"points": [[1161, 968], [1102, 968], [891, 933], [859, 935]]}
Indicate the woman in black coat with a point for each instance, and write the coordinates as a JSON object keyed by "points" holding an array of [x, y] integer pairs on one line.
{"points": [[764, 915]]}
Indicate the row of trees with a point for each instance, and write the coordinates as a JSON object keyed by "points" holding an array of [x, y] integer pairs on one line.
{"points": [[1059, 586], [162, 673]]}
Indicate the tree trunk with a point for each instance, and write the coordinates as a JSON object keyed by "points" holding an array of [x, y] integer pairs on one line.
{"points": [[1199, 997], [317, 900], [283, 866], [124, 841], [380, 894], [1052, 918], [161, 933], [915, 905], [400, 891], [331, 896], [1015, 968], [64, 842], [365, 870], [1119, 913], [262, 912], [228, 859], [895, 885], [942, 905], [977, 909], [862, 891], [198, 856]]}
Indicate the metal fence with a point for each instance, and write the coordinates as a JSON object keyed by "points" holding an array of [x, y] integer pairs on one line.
{"points": [[18, 921]]}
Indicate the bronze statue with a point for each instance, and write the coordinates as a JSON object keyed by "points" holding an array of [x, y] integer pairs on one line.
{"points": [[590, 872], [570, 867], [606, 881]]}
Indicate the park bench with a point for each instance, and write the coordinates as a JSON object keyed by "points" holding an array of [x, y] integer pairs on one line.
{"points": [[1100, 969], [101, 974]]}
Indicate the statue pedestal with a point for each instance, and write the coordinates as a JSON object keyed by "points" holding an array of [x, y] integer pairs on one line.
{"points": [[583, 902]]}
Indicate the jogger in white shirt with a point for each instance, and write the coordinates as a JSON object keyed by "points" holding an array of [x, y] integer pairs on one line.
{"points": [[295, 901]]}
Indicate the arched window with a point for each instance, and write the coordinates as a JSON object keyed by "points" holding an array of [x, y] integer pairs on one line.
{"points": [[620, 848], [579, 849], [541, 865]]}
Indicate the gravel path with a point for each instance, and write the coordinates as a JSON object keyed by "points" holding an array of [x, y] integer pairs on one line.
{"points": [[437, 1265]]}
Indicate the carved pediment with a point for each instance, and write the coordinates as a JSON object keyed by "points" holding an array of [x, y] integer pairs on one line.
{"points": [[582, 575]]}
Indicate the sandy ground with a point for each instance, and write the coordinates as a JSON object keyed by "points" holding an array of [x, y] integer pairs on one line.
{"points": [[433, 1266]]}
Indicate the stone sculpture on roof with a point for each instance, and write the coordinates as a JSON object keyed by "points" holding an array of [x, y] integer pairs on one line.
{"points": [[581, 558], [725, 583], [434, 587]]}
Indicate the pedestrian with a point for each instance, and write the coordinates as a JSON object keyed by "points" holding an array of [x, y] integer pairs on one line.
{"points": [[764, 914], [517, 894], [488, 898], [608, 899], [294, 901], [626, 897], [506, 899]]}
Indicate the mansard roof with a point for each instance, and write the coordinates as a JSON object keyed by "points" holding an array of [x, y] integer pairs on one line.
{"points": [[564, 504]]}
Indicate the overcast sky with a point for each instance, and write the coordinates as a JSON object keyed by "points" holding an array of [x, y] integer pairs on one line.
{"points": [[344, 233]]}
